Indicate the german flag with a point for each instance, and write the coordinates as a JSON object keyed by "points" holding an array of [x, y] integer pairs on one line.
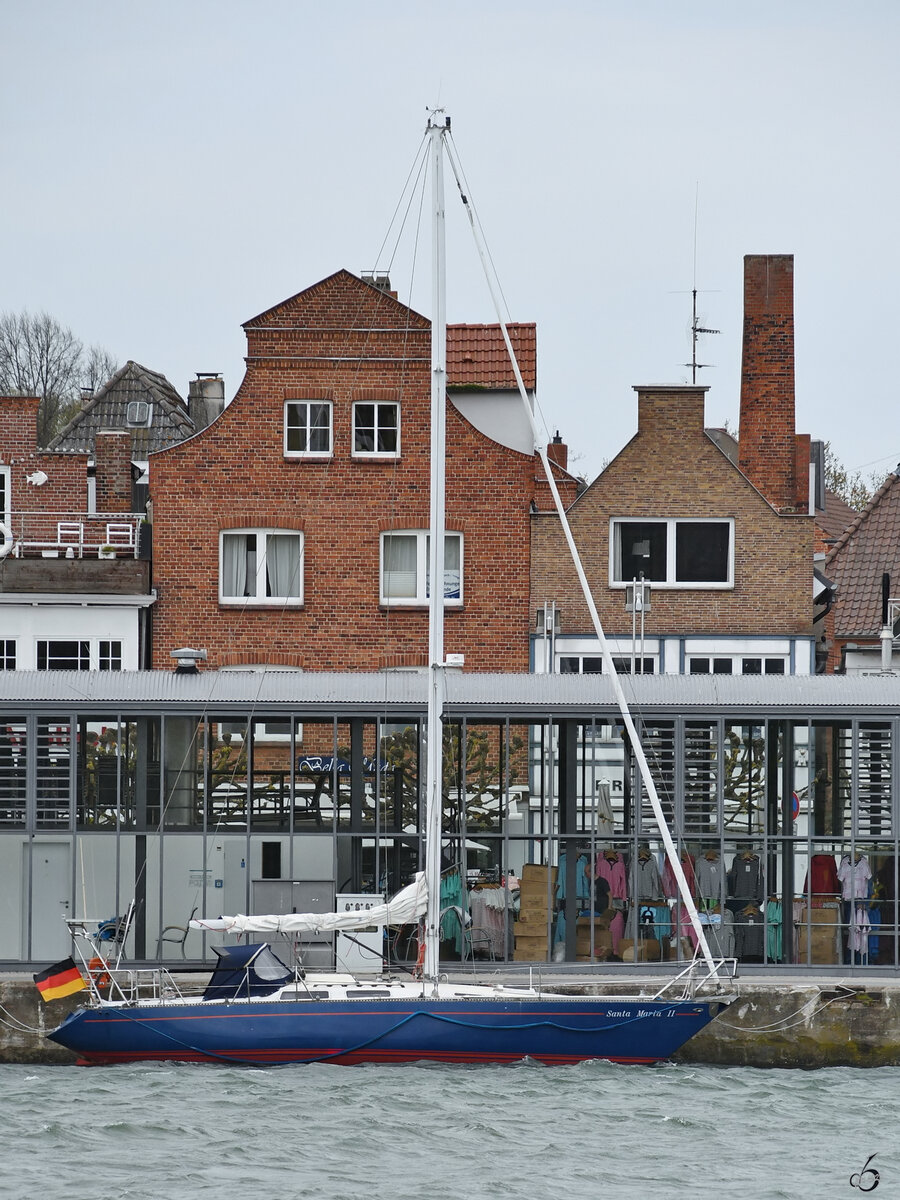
{"points": [[62, 979]]}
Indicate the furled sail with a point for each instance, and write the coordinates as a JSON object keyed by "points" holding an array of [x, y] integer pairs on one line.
{"points": [[404, 909]]}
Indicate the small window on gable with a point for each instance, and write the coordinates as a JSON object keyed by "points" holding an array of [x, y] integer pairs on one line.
{"points": [[673, 553], [307, 428], [376, 429], [138, 413]]}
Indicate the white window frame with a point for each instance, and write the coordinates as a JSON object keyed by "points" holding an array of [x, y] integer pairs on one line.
{"points": [[377, 405], [307, 429], [420, 598], [262, 546], [671, 523]]}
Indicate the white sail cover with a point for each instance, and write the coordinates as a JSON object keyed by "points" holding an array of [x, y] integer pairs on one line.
{"points": [[404, 909]]}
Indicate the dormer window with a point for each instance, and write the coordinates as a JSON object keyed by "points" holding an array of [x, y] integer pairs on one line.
{"points": [[138, 414]]}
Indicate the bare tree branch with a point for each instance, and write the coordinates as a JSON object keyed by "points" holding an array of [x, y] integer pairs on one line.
{"points": [[40, 357]]}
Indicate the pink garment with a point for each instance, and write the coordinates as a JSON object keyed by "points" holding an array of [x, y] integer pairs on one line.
{"points": [[860, 929], [617, 929], [854, 877], [670, 887], [614, 874]]}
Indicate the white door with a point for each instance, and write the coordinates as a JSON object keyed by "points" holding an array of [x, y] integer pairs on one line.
{"points": [[51, 889]]}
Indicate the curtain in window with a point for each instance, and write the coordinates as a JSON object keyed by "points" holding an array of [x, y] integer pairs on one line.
{"points": [[399, 566], [283, 565], [234, 564], [452, 572]]}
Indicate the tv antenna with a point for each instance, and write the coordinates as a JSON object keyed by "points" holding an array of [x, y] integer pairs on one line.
{"points": [[696, 328]]}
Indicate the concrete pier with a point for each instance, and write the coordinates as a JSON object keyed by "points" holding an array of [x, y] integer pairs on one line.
{"points": [[786, 1022]]}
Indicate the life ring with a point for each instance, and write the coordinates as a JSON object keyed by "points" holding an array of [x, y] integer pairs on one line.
{"points": [[97, 968], [7, 535]]}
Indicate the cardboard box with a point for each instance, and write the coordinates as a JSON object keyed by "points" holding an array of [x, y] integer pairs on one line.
{"points": [[602, 945], [601, 922], [534, 918], [532, 872], [822, 943], [532, 942], [829, 915], [529, 955], [647, 950]]}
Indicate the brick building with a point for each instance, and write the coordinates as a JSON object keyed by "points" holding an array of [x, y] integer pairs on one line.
{"points": [[864, 563], [66, 601], [728, 548], [293, 530]]}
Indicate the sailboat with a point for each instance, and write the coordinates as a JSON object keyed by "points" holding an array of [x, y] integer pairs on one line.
{"points": [[255, 1010]]}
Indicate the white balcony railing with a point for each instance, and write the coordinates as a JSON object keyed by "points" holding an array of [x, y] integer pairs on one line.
{"points": [[72, 534]]}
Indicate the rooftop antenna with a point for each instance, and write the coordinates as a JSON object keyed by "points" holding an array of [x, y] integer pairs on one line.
{"points": [[696, 327]]}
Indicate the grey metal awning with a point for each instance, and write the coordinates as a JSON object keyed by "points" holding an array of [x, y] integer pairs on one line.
{"points": [[402, 695]]}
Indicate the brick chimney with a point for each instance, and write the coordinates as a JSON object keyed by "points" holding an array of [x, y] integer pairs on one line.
{"points": [[768, 449], [558, 452], [112, 455]]}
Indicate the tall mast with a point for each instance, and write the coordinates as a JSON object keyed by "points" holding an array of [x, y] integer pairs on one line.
{"points": [[436, 679]]}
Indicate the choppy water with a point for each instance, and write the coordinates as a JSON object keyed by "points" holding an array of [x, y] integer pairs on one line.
{"points": [[411, 1132]]}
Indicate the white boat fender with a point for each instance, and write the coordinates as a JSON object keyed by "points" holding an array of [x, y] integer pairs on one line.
{"points": [[7, 544]]}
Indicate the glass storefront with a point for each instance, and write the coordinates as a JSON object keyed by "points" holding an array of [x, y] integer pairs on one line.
{"points": [[785, 829]]}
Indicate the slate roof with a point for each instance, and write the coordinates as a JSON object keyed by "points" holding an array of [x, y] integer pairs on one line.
{"points": [[477, 356], [106, 410], [867, 548]]}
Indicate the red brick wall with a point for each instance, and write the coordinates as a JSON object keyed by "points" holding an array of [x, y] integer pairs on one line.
{"points": [[767, 452], [343, 338], [112, 455], [672, 469], [65, 491]]}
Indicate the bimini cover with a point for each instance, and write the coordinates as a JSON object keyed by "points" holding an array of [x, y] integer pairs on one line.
{"points": [[246, 971]]}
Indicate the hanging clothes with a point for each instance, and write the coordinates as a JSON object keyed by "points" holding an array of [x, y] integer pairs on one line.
{"points": [[647, 882], [710, 879], [858, 934], [749, 928], [774, 941], [670, 886], [452, 897], [874, 938], [582, 883], [821, 879], [854, 876], [746, 881], [614, 874]]}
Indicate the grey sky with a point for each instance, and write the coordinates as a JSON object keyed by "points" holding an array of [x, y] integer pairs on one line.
{"points": [[170, 170]]}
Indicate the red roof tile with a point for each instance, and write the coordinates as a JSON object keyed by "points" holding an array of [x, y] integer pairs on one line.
{"points": [[477, 356], [867, 548], [835, 516]]}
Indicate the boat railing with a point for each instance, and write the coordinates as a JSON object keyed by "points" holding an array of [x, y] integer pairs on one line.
{"points": [[698, 976], [98, 945]]}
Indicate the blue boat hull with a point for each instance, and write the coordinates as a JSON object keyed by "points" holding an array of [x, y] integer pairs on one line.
{"points": [[551, 1030]]}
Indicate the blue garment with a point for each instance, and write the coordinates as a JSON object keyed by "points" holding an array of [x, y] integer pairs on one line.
{"points": [[874, 938], [582, 883], [773, 931]]}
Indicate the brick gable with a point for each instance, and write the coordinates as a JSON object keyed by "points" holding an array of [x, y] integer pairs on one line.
{"points": [[672, 468], [344, 340]]}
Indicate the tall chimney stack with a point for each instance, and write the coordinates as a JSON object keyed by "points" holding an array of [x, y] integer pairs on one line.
{"points": [[767, 444]]}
